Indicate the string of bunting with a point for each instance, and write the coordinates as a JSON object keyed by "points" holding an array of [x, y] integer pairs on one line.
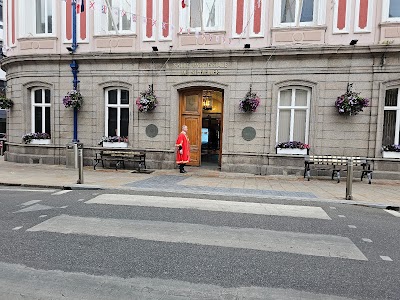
{"points": [[93, 5]]}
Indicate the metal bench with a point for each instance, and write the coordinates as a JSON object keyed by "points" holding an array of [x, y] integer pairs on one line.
{"points": [[120, 157], [337, 161]]}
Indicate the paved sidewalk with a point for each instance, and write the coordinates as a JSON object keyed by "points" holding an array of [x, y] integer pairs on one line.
{"points": [[381, 193]]}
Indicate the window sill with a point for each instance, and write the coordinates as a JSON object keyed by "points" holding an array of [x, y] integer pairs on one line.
{"points": [[116, 35], [30, 38], [299, 28]]}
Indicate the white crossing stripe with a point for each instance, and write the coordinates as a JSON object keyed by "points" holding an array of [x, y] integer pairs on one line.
{"points": [[392, 212], [367, 240], [245, 238], [61, 192], [30, 202], [386, 258], [26, 190], [352, 226], [213, 205], [17, 228]]}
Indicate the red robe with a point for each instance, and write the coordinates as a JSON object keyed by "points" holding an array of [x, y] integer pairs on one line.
{"points": [[183, 141]]}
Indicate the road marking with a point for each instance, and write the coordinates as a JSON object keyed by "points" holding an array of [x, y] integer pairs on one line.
{"points": [[35, 207], [392, 212], [245, 238], [61, 192], [17, 228], [30, 202], [367, 240], [352, 226], [341, 216], [213, 205], [26, 190], [63, 206], [386, 258], [331, 207], [81, 200]]}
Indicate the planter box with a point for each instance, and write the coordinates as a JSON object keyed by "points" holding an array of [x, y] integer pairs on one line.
{"points": [[115, 145], [292, 151], [390, 154], [40, 142]]}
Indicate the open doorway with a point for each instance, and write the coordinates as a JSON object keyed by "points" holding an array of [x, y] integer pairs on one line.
{"points": [[211, 128]]}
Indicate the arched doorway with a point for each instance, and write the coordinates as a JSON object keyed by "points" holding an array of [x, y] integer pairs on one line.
{"points": [[201, 109]]}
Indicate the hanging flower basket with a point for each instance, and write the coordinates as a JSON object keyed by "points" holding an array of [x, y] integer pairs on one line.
{"points": [[350, 103], [73, 99], [29, 137], [250, 102], [147, 101], [5, 103]]}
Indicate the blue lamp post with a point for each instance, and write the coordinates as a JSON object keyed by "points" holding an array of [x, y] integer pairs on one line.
{"points": [[74, 67]]}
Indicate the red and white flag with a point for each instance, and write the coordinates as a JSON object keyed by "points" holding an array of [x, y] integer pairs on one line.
{"points": [[80, 6], [184, 3]]}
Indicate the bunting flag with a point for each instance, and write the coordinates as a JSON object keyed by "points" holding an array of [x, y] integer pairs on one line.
{"points": [[80, 7]]}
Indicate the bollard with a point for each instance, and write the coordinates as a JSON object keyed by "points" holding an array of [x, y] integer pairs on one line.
{"points": [[1, 148], [80, 166], [349, 182]]}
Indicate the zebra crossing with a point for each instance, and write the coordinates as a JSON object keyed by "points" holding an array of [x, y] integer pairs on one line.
{"points": [[310, 244]]}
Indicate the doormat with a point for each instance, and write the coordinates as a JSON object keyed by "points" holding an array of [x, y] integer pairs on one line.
{"points": [[145, 171]]}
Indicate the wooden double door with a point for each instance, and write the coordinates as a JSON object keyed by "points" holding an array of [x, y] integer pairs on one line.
{"points": [[191, 114]]}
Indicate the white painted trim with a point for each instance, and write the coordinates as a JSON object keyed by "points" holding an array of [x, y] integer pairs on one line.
{"points": [[292, 109], [357, 28], [43, 105], [98, 30], [318, 15], [385, 12], [335, 18], [115, 144], [262, 21], [144, 25], [160, 27], [397, 109], [291, 151], [234, 19], [118, 106], [78, 23]]}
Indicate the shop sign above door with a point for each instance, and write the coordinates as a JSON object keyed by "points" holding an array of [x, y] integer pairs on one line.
{"points": [[200, 68]]}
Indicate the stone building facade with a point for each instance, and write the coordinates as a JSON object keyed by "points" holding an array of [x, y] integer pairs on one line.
{"points": [[295, 55]]}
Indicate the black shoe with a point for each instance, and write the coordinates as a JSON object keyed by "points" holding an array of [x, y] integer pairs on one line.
{"points": [[182, 171]]}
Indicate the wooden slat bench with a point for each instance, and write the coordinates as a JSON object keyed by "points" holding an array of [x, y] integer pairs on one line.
{"points": [[120, 157], [337, 161]]}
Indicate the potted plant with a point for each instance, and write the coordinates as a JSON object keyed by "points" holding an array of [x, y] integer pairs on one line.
{"points": [[5, 103], [37, 138], [147, 101], [114, 141], [250, 102], [350, 103], [391, 151], [73, 99], [292, 147]]}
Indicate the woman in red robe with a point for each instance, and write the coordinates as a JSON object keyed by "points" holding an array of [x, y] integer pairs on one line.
{"points": [[183, 149]]}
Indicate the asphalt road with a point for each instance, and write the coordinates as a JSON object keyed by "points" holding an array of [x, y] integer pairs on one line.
{"points": [[112, 245]]}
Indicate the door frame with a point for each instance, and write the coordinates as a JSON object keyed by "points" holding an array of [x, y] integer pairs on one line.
{"points": [[200, 89]]}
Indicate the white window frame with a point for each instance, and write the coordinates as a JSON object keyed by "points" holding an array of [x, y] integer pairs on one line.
{"points": [[118, 106], [27, 20], [385, 12], [319, 15], [43, 105], [397, 109], [347, 19], [292, 107], [184, 18], [160, 24], [102, 27], [357, 28]]}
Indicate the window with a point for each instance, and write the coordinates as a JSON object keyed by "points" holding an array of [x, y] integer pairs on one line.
{"points": [[117, 112], [41, 21], [293, 13], [293, 115], [203, 15], [391, 119], [40, 110], [116, 17], [391, 11]]}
